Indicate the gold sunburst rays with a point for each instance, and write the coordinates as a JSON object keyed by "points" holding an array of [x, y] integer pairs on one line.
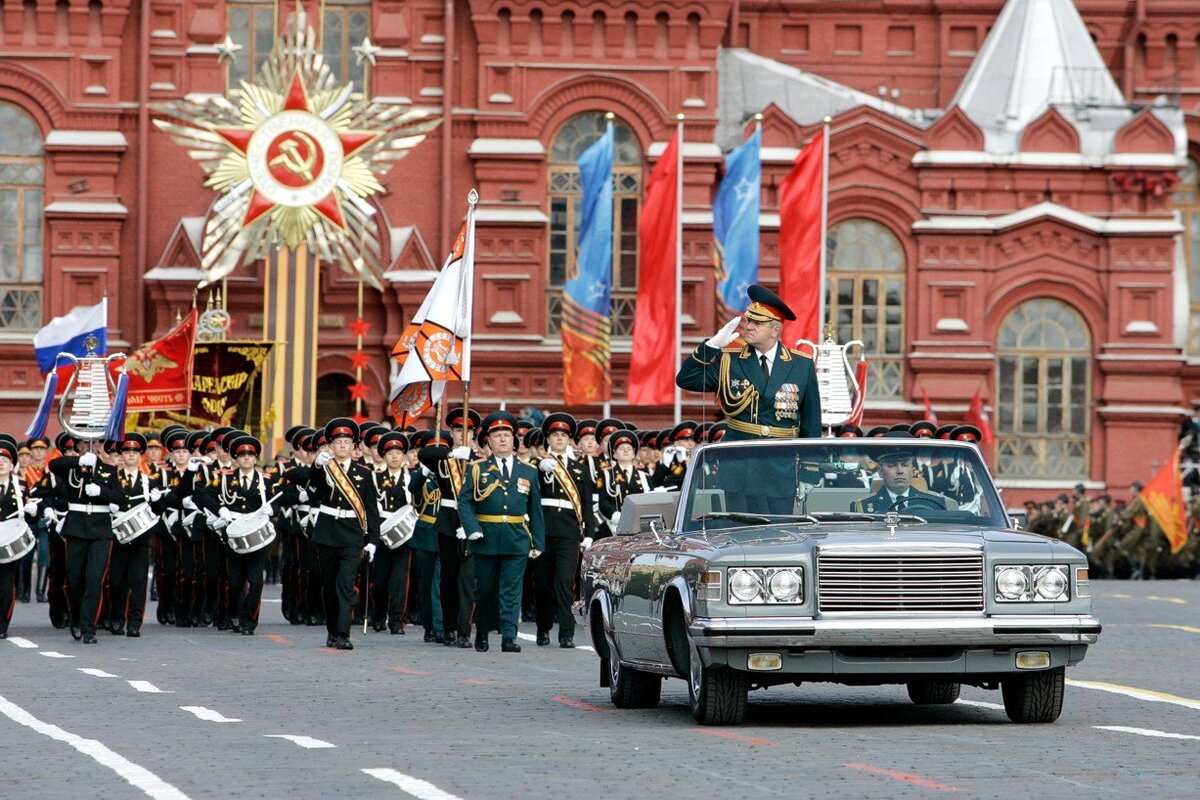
{"points": [[295, 157]]}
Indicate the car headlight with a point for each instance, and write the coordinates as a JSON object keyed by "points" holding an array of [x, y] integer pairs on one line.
{"points": [[1032, 583], [766, 585]]}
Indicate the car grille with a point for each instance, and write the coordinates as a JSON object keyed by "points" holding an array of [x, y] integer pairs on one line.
{"points": [[933, 582]]}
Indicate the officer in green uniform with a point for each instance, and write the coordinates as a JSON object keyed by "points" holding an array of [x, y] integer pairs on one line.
{"points": [[500, 508]]}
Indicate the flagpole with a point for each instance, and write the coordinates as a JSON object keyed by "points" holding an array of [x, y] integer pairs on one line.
{"points": [[678, 263], [824, 230], [466, 276]]}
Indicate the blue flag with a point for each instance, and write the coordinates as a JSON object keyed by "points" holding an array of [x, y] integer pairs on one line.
{"points": [[587, 297], [735, 225]]}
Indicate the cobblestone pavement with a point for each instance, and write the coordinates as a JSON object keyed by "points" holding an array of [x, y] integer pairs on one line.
{"points": [[201, 713]]}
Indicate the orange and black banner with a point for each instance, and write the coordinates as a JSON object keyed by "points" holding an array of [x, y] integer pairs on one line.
{"points": [[222, 372]]}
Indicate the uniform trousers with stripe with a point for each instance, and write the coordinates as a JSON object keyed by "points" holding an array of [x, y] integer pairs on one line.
{"points": [[127, 571], [246, 586], [457, 584], [555, 569], [87, 565], [389, 585], [339, 567]]}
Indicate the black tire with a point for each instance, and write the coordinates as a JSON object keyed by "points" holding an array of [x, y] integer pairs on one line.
{"points": [[631, 688], [1036, 697], [717, 694], [926, 692]]}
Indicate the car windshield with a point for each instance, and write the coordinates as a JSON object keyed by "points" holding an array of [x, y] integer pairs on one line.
{"points": [[839, 480]]}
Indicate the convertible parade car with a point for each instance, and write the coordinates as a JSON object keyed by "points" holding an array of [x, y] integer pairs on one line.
{"points": [[853, 561]]}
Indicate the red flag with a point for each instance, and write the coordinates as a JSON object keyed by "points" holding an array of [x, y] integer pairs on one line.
{"points": [[1163, 498], [800, 196], [651, 376], [860, 378], [979, 418], [160, 373], [930, 414]]}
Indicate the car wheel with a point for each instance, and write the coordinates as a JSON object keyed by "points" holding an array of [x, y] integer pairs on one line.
{"points": [[631, 688], [717, 694], [1034, 697], [927, 692]]}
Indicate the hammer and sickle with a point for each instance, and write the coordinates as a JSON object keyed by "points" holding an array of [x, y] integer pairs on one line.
{"points": [[290, 159]]}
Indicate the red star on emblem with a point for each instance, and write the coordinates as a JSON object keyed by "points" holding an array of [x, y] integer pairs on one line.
{"points": [[360, 327], [359, 360], [296, 100], [358, 391]]}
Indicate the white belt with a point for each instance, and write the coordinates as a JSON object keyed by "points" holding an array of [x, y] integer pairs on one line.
{"points": [[449, 504], [338, 513], [554, 502], [87, 508]]}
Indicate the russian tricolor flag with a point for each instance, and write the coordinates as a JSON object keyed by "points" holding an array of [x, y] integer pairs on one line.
{"points": [[66, 334]]}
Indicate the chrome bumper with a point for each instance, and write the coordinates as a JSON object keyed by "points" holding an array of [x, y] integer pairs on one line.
{"points": [[807, 632]]}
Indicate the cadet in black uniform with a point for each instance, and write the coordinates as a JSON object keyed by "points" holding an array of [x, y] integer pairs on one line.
{"points": [[389, 571], [346, 527], [130, 561], [622, 478], [12, 506]]}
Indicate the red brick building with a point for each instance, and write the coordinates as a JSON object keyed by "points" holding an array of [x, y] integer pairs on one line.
{"points": [[1019, 214]]}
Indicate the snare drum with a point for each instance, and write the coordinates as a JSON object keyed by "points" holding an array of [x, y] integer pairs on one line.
{"points": [[129, 525], [251, 532], [398, 527], [16, 539]]}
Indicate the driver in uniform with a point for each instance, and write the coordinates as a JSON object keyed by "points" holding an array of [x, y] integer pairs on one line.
{"points": [[897, 469]]}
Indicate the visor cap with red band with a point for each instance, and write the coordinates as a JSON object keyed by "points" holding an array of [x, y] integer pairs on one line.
{"points": [[718, 431], [622, 437], [684, 430], [944, 432], [454, 418], [922, 429], [392, 440], [371, 432], [65, 443], [196, 439], [245, 445], [218, 434], [607, 426], [533, 438], [229, 437], [341, 426], [134, 442], [112, 446], [584, 428], [176, 440], [499, 421], [966, 433], [8, 447], [559, 422], [765, 306]]}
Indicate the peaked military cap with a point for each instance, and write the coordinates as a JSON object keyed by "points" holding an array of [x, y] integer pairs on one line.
{"points": [[341, 426], [392, 440], [766, 306], [499, 421], [245, 445], [922, 429], [559, 422], [135, 442]]}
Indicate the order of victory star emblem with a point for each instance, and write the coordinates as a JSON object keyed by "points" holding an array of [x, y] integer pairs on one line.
{"points": [[295, 158]]}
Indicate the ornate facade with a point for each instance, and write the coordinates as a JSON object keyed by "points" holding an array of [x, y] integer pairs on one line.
{"points": [[1016, 237]]}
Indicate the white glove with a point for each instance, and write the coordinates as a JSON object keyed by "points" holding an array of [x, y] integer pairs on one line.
{"points": [[547, 465], [322, 458], [50, 515], [303, 496], [370, 551], [612, 521], [225, 514], [189, 504], [113, 508], [427, 472], [726, 335], [534, 553], [587, 542], [462, 453], [31, 508], [156, 495], [87, 460], [92, 489], [460, 534], [476, 536], [668, 454], [193, 464]]}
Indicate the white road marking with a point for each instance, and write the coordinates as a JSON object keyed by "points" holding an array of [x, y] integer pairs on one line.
{"points": [[307, 742], [272, 600], [1184, 628], [135, 775], [147, 686], [54, 654], [980, 704], [424, 790], [208, 714], [96, 673], [24, 644], [1179, 601], [1145, 732], [1138, 694]]}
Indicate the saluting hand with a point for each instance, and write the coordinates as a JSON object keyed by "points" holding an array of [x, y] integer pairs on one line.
{"points": [[726, 335]]}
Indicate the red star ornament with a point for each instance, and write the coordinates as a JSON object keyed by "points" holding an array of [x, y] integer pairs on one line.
{"points": [[358, 391], [359, 360], [360, 327], [297, 100]]}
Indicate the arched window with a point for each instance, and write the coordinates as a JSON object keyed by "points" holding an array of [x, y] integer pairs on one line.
{"points": [[22, 192], [572, 139], [865, 298], [1187, 201], [1043, 388]]}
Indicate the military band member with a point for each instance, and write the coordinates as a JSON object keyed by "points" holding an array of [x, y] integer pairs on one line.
{"points": [[12, 506], [92, 492], [130, 561], [346, 527], [174, 571], [622, 478], [501, 509], [389, 571], [897, 468], [566, 497]]}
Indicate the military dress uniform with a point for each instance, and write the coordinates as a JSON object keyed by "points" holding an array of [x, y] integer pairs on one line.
{"points": [[130, 561], [90, 489], [501, 510], [457, 577], [566, 489], [426, 496], [347, 521], [883, 501], [12, 505], [389, 570]]}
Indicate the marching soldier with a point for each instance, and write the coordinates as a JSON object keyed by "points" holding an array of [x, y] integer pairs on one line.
{"points": [[346, 527], [130, 561], [497, 497], [566, 499], [670, 471], [12, 506], [91, 490], [423, 488], [389, 571], [622, 478]]}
